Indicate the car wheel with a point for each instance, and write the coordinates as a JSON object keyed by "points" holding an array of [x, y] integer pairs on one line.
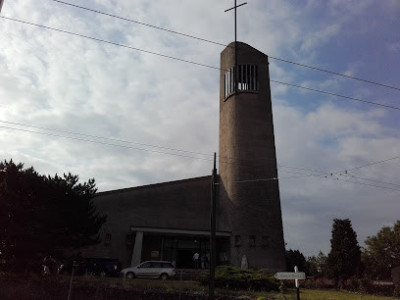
{"points": [[130, 275], [164, 276]]}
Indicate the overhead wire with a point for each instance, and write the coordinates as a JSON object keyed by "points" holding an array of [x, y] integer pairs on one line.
{"points": [[140, 23], [113, 142], [372, 163], [227, 45], [371, 185], [109, 42], [193, 62], [104, 138], [336, 95], [103, 142], [200, 64], [86, 138], [335, 73], [375, 181]]}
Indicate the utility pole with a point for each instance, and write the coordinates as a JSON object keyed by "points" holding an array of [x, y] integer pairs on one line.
{"points": [[213, 226]]}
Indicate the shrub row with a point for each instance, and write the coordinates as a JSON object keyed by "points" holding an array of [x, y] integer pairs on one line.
{"points": [[366, 286], [237, 278], [57, 287]]}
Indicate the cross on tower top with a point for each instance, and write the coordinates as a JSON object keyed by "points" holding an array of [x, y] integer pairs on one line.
{"points": [[235, 8]]}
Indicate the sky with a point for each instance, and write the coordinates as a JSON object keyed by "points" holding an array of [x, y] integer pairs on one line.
{"points": [[130, 117]]}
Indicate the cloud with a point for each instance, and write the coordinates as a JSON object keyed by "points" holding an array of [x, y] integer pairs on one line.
{"points": [[129, 106]]}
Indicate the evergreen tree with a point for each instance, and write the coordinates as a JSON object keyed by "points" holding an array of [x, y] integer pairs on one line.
{"points": [[295, 258], [382, 252], [41, 215], [316, 265], [344, 259]]}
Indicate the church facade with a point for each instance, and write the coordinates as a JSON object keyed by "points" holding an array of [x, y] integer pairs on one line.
{"points": [[171, 220]]}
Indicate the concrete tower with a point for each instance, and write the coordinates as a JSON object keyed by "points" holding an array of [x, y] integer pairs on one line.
{"points": [[249, 192]]}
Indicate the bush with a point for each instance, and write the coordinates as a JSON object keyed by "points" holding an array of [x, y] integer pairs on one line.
{"points": [[237, 278], [358, 285], [396, 291], [366, 286]]}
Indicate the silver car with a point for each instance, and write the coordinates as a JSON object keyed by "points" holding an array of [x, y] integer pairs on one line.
{"points": [[150, 269]]}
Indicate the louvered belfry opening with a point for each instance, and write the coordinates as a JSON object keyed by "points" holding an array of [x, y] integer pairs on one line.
{"points": [[247, 79]]}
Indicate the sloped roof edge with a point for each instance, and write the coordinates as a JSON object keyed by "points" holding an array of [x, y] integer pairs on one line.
{"points": [[124, 190]]}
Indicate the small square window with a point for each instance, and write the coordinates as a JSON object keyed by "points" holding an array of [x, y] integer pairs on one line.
{"points": [[265, 241], [107, 238], [237, 240], [252, 240]]}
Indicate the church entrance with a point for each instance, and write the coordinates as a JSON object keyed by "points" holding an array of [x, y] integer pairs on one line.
{"points": [[186, 252], [190, 253]]}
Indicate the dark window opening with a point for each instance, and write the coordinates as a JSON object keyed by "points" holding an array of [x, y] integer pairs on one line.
{"points": [[265, 241], [107, 239], [237, 240], [252, 240]]}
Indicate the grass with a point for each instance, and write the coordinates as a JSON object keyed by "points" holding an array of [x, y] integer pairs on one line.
{"points": [[331, 295], [305, 294], [16, 285]]}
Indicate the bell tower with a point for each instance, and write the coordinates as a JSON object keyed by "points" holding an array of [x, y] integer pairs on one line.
{"points": [[249, 189]]}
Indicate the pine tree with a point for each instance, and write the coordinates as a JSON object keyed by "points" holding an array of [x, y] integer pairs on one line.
{"points": [[44, 215], [344, 259]]}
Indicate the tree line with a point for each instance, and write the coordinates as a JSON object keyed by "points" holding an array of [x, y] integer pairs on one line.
{"points": [[42, 216], [347, 259]]}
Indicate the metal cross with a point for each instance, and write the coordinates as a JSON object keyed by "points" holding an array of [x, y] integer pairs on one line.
{"points": [[235, 8], [235, 69]]}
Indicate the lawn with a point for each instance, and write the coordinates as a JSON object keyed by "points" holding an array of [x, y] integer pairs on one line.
{"points": [[305, 294], [89, 287], [332, 295]]}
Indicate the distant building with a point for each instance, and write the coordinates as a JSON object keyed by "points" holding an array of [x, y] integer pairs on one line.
{"points": [[171, 220]]}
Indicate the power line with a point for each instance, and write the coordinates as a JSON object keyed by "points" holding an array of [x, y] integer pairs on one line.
{"points": [[373, 163], [371, 185], [141, 23], [190, 157], [346, 171], [242, 163], [335, 73], [375, 181], [89, 138], [195, 63], [104, 143], [95, 139], [137, 49], [225, 45], [104, 138], [336, 95], [109, 42]]}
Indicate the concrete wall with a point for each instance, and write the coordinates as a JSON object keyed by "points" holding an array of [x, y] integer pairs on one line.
{"points": [[179, 205], [248, 171]]}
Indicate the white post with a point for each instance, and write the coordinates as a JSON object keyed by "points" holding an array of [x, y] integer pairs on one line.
{"points": [[296, 282], [137, 249]]}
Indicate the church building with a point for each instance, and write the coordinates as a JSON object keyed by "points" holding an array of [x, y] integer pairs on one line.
{"points": [[171, 220]]}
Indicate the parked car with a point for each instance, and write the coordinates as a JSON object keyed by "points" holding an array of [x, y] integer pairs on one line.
{"points": [[150, 269], [103, 266], [79, 265], [92, 266]]}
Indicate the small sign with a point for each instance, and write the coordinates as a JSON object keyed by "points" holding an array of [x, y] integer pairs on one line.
{"points": [[290, 275], [154, 254]]}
